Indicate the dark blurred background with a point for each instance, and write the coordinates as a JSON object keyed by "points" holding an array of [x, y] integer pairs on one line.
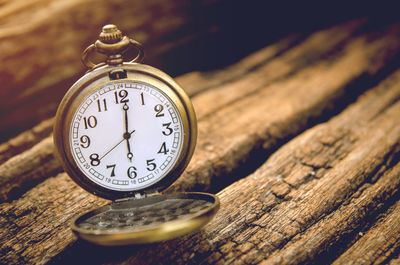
{"points": [[41, 41]]}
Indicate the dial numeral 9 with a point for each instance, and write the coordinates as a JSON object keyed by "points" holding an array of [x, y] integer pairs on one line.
{"points": [[85, 141]]}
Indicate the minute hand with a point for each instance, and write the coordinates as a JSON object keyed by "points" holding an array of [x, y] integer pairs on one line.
{"points": [[127, 135]]}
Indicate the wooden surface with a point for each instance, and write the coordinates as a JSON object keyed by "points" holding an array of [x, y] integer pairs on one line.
{"points": [[300, 141], [41, 43]]}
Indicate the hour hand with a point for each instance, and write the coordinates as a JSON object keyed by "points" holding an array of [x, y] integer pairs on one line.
{"points": [[127, 136]]}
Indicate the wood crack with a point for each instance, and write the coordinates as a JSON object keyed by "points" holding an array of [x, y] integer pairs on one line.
{"points": [[296, 204]]}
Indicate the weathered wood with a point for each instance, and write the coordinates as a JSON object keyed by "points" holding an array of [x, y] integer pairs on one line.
{"points": [[38, 163], [25, 140], [307, 199], [41, 43], [378, 244], [194, 83], [33, 172], [35, 227], [226, 85]]}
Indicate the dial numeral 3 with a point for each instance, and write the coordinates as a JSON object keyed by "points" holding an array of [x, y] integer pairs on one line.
{"points": [[166, 125]]}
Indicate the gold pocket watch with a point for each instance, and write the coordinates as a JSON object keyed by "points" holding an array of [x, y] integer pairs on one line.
{"points": [[125, 131]]}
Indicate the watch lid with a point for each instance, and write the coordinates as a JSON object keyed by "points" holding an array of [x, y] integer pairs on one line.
{"points": [[135, 73], [147, 220]]}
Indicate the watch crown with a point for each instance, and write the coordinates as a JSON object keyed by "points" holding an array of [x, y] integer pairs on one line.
{"points": [[110, 34]]}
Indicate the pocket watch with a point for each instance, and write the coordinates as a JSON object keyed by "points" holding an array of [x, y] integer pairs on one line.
{"points": [[125, 131]]}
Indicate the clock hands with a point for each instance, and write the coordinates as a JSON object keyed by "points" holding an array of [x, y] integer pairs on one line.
{"points": [[112, 148], [127, 135]]}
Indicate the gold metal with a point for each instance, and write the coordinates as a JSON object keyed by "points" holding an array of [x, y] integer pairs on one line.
{"points": [[151, 232], [98, 78], [112, 43]]}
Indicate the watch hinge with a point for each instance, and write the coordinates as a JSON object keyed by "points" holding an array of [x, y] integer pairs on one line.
{"points": [[139, 195]]}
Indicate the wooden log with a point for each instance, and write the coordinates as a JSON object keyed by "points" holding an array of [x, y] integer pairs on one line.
{"points": [[25, 140], [194, 83], [35, 226], [378, 244], [34, 172], [41, 43], [306, 200], [226, 85]]}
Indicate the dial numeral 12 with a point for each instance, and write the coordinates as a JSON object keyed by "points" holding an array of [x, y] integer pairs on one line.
{"points": [[121, 96]]}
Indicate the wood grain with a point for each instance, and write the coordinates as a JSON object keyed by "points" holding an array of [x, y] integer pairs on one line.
{"points": [[311, 197], [18, 147], [42, 41], [226, 85], [378, 244]]}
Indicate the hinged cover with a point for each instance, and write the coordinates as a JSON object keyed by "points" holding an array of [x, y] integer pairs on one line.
{"points": [[151, 219]]}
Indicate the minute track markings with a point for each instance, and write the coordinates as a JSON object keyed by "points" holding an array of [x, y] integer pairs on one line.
{"points": [[156, 147]]}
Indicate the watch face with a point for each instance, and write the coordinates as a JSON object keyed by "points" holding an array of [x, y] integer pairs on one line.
{"points": [[126, 135]]}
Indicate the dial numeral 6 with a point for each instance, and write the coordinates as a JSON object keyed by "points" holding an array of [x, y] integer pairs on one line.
{"points": [[131, 172]]}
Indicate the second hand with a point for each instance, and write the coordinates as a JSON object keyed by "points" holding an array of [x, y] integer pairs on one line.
{"points": [[123, 139]]}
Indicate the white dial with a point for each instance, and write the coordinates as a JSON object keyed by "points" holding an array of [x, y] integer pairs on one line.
{"points": [[126, 135]]}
